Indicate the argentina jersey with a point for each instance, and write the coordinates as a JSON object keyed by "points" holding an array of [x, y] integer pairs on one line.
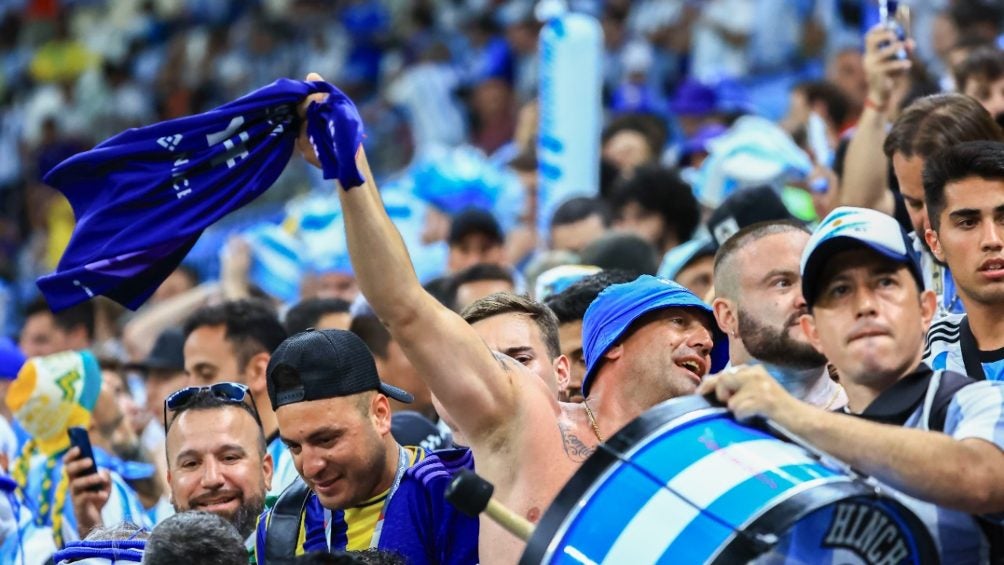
{"points": [[951, 346]]}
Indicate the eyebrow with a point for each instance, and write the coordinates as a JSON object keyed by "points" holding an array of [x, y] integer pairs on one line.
{"points": [[225, 447], [778, 272], [517, 350]]}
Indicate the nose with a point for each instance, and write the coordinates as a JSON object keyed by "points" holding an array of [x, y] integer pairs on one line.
{"points": [[313, 464], [700, 339], [212, 476], [991, 240], [864, 302]]}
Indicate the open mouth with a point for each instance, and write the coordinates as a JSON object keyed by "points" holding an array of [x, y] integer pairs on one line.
{"points": [[693, 366]]}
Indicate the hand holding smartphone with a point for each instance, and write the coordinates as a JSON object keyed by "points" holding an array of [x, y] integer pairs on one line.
{"points": [[82, 441]]}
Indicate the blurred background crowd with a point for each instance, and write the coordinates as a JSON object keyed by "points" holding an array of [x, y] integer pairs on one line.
{"points": [[701, 98]]}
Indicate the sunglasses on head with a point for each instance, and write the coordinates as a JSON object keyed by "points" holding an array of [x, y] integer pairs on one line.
{"points": [[229, 393]]}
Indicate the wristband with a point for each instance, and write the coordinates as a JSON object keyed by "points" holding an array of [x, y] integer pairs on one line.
{"points": [[869, 103]]}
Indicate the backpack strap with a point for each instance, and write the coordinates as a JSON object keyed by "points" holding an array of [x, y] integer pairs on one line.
{"points": [[283, 529], [951, 383]]}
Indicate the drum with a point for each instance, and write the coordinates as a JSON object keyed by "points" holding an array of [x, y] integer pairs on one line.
{"points": [[685, 483]]}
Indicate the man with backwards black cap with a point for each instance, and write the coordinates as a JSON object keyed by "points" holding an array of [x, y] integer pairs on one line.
{"points": [[868, 313], [646, 341], [334, 416]]}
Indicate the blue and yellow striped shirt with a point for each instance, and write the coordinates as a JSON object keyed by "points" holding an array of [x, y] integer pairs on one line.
{"points": [[321, 529]]}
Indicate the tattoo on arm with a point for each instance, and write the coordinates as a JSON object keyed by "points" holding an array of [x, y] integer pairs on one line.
{"points": [[574, 448]]}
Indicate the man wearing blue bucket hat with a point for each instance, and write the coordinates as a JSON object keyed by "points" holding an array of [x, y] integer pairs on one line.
{"points": [[934, 437], [649, 340]]}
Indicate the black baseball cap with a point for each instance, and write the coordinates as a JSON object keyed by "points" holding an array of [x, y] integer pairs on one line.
{"points": [[168, 353], [319, 364]]}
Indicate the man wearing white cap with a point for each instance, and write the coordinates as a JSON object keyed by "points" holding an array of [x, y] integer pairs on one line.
{"points": [[868, 312]]}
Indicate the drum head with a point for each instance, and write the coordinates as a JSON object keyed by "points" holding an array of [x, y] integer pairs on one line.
{"points": [[685, 483]]}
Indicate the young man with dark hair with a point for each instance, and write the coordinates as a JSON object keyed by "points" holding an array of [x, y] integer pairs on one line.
{"points": [[45, 332], [577, 222], [759, 304], [657, 205], [318, 313], [194, 537], [334, 416], [233, 341], [570, 306], [964, 187], [933, 437], [478, 281]]}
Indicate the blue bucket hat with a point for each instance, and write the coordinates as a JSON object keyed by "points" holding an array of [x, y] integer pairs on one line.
{"points": [[610, 316]]}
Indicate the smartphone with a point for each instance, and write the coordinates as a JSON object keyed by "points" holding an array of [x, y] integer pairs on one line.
{"points": [[896, 17], [80, 439]]}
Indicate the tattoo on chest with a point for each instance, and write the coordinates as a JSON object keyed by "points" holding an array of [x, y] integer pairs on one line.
{"points": [[574, 447]]}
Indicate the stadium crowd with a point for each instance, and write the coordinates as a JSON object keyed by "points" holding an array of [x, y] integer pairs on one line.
{"points": [[799, 214]]}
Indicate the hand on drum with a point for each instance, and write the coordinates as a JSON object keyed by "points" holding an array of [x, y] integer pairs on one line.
{"points": [[749, 391]]}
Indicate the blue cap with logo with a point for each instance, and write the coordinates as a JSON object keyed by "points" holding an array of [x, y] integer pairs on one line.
{"points": [[613, 312], [847, 228]]}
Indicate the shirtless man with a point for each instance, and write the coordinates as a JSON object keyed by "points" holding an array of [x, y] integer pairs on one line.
{"points": [[646, 341]]}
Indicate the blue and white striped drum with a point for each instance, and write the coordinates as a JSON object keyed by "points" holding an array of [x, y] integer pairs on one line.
{"points": [[685, 483]]}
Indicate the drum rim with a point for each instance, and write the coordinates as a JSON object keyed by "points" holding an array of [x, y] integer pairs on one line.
{"points": [[662, 417]]}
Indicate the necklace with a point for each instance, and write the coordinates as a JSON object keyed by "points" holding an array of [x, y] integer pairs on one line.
{"points": [[592, 420]]}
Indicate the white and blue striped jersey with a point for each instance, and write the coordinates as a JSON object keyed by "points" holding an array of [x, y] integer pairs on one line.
{"points": [[951, 346], [976, 411]]}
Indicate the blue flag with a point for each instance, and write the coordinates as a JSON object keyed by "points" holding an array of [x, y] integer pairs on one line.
{"points": [[143, 197]]}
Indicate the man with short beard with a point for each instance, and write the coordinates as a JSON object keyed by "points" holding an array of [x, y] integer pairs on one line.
{"points": [[759, 305], [216, 455]]}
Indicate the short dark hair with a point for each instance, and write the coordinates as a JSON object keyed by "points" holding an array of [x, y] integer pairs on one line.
{"points": [[195, 533], [966, 13], [205, 400], [838, 107], [371, 330], [745, 236], [252, 326], [653, 129], [983, 63], [508, 303], [475, 273], [982, 159], [570, 305], [935, 122], [67, 319], [662, 191], [579, 208], [306, 313]]}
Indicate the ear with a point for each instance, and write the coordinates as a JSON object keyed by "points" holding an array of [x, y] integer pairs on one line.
{"points": [[267, 466], [808, 323], [255, 372], [725, 315], [615, 352], [928, 306], [934, 243], [562, 372], [380, 413]]}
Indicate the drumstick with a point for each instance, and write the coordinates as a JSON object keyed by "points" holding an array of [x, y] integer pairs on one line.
{"points": [[472, 495]]}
